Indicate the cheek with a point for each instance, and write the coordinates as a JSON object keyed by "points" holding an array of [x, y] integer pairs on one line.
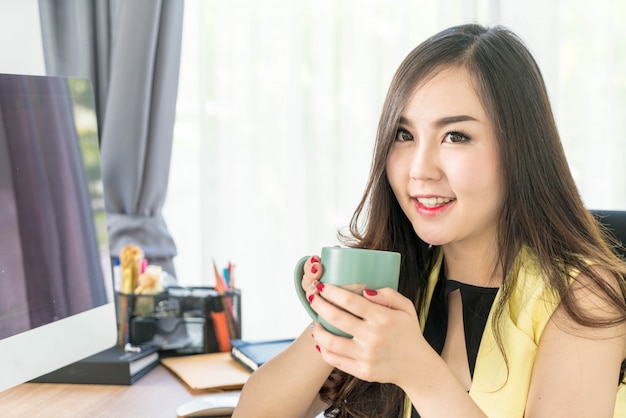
{"points": [[476, 175]]}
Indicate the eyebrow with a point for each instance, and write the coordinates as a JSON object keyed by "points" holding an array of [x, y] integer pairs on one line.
{"points": [[444, 121]]}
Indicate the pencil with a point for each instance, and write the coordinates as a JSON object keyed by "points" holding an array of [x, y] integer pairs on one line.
{"points": [[227, 304], [220, 326], [220, 284]]}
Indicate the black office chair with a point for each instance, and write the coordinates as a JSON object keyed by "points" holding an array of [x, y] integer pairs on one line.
{"points": [[615, 221]]}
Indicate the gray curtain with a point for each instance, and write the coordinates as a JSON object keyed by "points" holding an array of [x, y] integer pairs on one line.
{"points": [[77, 42], [131, 52]]}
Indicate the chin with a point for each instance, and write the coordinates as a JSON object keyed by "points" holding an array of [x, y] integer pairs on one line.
{"points": [[431, 239]]}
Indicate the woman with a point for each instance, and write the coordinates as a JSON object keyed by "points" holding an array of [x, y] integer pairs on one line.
{"points": [[511, 302]]}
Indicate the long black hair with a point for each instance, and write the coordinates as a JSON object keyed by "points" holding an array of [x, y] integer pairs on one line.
{"points": [[542, 208]]}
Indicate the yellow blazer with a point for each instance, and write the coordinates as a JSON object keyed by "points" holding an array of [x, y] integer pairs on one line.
{"points": [[498, 391]]}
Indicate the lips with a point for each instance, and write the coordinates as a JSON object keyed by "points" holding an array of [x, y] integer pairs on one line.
{"points": [[432, 206], [433, 202]]}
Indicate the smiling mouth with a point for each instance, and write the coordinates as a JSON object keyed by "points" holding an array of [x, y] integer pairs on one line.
{"points": [[433, 202]]}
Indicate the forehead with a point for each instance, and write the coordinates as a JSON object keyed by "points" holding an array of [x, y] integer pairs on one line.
{"points": [[445, 92]]}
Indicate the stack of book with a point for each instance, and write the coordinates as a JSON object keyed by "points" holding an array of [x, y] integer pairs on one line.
{"points": [[113, 366]]}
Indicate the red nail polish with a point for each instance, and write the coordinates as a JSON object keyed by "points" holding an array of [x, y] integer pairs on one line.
{"points": [[320, 287], [317, 347], [315, 259], [313, 269], [311, 298], [371, 292]]}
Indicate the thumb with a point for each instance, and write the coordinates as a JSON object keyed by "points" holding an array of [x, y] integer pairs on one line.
{"points": [[389, 298]]}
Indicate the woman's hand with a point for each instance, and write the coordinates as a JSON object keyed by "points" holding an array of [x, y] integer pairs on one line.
{"points": [[387, 344], [385, 329]]}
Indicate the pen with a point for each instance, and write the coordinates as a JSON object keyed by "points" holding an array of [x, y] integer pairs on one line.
{"points": [[226, 277], [227, 304], [231, 277]]}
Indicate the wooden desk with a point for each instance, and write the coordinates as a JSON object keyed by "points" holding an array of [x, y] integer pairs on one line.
{"points": [[157, 394]]}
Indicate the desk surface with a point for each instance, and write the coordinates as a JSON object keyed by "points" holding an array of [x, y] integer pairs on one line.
{"points": [[157, 394]]}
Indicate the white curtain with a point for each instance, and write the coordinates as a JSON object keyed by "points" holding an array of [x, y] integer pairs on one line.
{"points": [[277, 112]]}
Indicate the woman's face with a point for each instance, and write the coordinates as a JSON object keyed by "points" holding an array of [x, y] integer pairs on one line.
{"points": [[444, 166]]}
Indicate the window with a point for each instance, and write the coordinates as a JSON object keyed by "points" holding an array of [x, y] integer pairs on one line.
{"points": [[277, 113]]}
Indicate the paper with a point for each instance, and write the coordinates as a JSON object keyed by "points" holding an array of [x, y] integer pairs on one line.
{"points": [[213, 371]]}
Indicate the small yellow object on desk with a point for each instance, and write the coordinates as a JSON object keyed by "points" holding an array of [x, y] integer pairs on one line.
{"points": [[149, 283], [130, 262]]}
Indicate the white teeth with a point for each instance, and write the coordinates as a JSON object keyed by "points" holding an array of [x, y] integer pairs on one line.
{"points": [[431, 202]]}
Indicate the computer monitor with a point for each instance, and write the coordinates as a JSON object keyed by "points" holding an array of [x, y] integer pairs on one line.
{"points": [[56, 298]]}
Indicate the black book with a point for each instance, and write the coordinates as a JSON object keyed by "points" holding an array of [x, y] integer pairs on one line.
{"points": [[252, 354], [113, 366]]}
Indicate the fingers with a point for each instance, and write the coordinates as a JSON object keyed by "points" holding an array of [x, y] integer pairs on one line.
{"points": [[337, 306], [352, 355], [389, 298], [328, 344], [348, 311], [376, 321], [345, 299], [311, 276]]}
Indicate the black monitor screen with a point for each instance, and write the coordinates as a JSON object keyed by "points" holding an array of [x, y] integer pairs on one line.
{"points": [[53, 243]]}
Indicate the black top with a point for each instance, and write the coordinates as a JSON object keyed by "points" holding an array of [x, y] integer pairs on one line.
{"points": [[477, 302]]}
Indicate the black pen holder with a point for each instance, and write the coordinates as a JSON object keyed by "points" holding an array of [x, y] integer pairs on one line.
{"points": [[181, 320]]}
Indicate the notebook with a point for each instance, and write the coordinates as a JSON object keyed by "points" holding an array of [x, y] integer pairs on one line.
{"points": [[210, 372], [253, 354]]}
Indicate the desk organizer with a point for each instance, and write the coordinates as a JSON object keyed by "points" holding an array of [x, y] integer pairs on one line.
{"points": [[181, 320]]}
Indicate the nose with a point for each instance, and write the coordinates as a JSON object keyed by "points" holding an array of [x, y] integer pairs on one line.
{"points": [[425, 163]]}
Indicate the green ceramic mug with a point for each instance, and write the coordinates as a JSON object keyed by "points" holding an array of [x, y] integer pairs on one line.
{"points": [[353, 268]]}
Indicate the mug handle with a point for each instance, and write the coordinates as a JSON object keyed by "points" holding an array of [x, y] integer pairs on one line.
{"points": [[297, 279]]}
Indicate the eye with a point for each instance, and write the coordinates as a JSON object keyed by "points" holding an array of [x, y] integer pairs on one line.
{"points": [[402, 135], [456, 137]]}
